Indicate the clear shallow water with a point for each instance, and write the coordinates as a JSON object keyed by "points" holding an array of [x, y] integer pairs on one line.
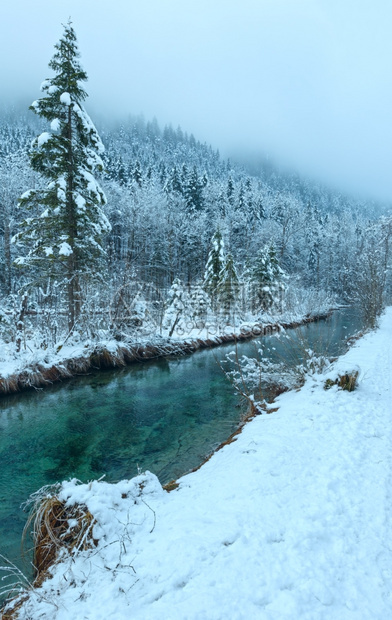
{"points": [[165, 416]]}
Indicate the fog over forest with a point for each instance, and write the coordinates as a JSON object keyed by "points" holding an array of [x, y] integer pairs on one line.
{"points": [[304, 83]]}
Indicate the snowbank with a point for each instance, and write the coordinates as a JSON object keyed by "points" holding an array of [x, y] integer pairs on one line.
{"points": [[37, 368], [291, 521]]}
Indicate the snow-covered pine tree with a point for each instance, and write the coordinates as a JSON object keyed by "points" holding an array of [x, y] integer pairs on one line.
{"points": [[215, 263], [175, 306], [137, 173], [174, 181], [228, 288], [194, 191], [14, 175], [199, 302], [265, 279], [230, 190], [66, 236]]}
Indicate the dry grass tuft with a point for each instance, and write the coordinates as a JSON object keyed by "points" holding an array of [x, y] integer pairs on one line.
{"points": [[78, 365], [171, 486], [57, 527], [103, 358], [13, 609], [55, 373], [9, 384], [128, 354], [346, 381]]}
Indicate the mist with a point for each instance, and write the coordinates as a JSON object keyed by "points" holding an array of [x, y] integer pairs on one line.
{"points": [[306, 83]]}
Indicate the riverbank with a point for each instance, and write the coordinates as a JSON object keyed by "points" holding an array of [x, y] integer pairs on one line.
{"points": [[290, 520], [36, 369]]}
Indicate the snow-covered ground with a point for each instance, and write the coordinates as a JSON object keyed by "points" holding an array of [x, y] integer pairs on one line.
{"points": [[291, 521], [36, 354], [12, 362], [33, 358]]}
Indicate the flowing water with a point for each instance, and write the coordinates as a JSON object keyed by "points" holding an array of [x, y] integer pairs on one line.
{"points": [[165, 416]]}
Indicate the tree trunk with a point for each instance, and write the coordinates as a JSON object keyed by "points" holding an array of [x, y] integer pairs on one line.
{"points": [[72, 284]]}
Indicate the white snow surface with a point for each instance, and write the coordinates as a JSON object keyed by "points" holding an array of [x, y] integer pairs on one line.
{"points": [[292, 521], [65, 249], [65, 98], [43, 138], [26, 195], [55, 124]]}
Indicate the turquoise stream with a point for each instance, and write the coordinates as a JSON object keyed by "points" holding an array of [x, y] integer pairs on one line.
{"points": [[165, 416]]}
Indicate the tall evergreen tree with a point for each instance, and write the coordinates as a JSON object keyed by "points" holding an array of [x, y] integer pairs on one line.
{"points": [[66, 237], [230, 190], [228, 288], [265, 278], [215, 263], [137, 173], [194, 192], [175, 306], [199, 302], [174, 183]]}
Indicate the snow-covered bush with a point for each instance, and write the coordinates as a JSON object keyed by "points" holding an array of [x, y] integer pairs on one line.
{"points": [[299, 301], [267, 373], [174, 307], [199, 303], [346, 381]]}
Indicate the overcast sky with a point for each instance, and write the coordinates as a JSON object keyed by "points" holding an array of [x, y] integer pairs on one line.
{"points": [[308, 82]]}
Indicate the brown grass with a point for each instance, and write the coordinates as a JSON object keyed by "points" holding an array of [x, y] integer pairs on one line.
{"points": [[171, 486], [56, 527], [13, 611], [346, 381]]}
